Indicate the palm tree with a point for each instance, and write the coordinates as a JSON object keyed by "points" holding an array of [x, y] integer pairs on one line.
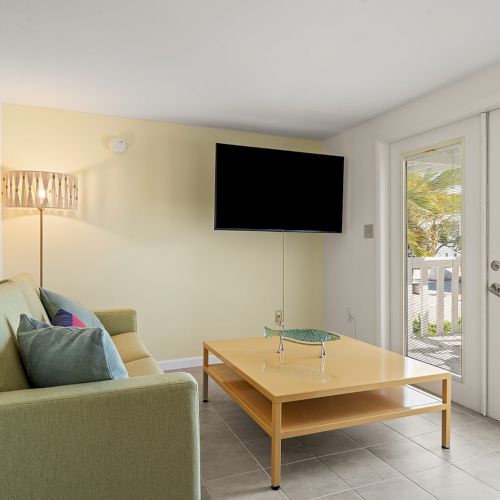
{"points": [[434, 206]]}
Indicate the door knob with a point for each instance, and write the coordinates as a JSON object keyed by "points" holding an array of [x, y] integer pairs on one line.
{"points": [[494, 288], [495, 265]]}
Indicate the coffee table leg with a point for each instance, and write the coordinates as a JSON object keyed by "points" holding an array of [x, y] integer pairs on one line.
{"points": [[205, 375], [276, 447], [446, 414]]}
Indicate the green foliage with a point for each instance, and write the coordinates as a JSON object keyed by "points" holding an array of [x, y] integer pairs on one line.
{"points": [[432, 327], [417, 325], [434, 209]]}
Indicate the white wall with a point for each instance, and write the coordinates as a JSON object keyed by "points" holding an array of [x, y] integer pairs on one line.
{"points": [[353, 274], [143, 236]]}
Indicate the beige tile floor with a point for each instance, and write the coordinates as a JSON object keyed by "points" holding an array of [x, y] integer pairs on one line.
{"points": [[398, 459]]}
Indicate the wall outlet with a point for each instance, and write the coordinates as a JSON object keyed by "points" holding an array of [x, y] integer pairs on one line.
{"points": [[278, 316]]}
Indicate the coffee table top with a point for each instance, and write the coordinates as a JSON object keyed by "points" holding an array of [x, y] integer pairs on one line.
{"points": [[350, 366]]}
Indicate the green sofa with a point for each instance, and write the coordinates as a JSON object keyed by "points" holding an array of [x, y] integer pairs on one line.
{"points": [[126, 439]]}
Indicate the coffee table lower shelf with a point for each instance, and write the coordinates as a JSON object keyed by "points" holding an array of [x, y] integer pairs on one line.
{"points": [[309, 416]]}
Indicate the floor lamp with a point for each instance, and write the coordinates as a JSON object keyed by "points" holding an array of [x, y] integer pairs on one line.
{"points": [[40, 190]]}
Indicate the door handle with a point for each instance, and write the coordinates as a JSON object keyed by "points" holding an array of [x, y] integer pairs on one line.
{"points": [[494, 288]]}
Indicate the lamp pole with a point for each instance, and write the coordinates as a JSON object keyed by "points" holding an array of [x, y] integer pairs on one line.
{"points": [[41, 246]]}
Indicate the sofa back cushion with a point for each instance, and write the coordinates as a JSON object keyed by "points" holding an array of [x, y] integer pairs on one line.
{"points": [[17, 296], [31, 292]]}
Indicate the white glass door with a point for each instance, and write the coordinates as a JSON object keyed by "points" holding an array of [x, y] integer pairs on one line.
{"points": [[436, 253]]}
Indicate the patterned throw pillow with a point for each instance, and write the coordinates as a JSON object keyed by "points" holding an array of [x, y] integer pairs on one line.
{"points": [[53, 302], [65, 318]]}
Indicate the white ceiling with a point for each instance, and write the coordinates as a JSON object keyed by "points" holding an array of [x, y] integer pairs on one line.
{"points": [[306, 68]]}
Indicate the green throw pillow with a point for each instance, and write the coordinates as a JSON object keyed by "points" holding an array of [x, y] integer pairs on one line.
{"points": [[53, 302], [56, 355]]}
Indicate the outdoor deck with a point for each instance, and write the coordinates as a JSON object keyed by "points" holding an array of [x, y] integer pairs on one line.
{"points": [[442, 351], [434, 300]]}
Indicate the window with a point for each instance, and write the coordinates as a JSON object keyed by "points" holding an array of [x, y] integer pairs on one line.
{"points": [[433, 302]]}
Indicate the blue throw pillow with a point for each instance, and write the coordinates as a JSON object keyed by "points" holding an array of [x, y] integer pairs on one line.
{"points": [[53, 302], [56, 355]]}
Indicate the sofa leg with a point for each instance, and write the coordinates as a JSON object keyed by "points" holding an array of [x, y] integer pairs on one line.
{"points": [[205, 387], [205, 378]]}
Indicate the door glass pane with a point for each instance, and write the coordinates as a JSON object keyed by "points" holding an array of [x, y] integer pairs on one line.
{"points": [[433, 256]]}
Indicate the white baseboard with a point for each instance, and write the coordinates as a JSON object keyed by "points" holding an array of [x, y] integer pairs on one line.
{"points": [[180, 363]]}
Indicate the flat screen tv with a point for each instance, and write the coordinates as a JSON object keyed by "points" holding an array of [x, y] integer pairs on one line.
{"points": [[258, 189]]}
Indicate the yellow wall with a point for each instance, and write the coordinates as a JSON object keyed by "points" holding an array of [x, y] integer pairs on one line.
{"points": [[144, 237]]}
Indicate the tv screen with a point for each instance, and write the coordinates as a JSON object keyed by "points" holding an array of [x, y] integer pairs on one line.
{"points": [[258, 189]]}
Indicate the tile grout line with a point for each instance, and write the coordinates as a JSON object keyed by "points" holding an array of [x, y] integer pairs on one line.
{"points": [[367, 449], [402, 474], [446, 461], [408, 437], [254, 457], [456, 466], [337, 493], [233, 475], [239, 441], [451, 465], [394, 479], [289, 463], [478, 479], [249, 452], [420, 486], [296, 461], [319, 457], [204, 484], [361, 447], [405, 474]]}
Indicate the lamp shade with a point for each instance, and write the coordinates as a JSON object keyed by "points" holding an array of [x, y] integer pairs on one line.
{"points": [[36, 189]]}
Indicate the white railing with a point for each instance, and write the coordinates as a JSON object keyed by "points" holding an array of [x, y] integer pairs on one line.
{"points": [[431, 268]]}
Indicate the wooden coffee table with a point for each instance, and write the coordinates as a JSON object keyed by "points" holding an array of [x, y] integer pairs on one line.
{"points": [[300, 393]]}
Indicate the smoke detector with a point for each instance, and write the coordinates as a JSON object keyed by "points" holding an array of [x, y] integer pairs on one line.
{"points": [[117, 144]]}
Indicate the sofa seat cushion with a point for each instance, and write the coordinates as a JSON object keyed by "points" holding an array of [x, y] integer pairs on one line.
{"points": [[130, 347], [136, 357], [144, 366]]}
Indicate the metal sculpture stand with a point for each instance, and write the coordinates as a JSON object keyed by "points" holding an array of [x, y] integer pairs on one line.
{"points": [[281, 347]]}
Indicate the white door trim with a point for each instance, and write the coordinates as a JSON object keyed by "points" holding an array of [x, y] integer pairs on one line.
{"points": [[484, 262], [470, 390], [493, 252], [382, 244]]}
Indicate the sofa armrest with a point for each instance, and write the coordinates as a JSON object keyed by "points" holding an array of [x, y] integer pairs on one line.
{"points": [[118, 321], [133, 438]]}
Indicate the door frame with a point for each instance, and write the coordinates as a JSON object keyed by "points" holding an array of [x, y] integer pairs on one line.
{"points": [[391, 336], [493, 125]]}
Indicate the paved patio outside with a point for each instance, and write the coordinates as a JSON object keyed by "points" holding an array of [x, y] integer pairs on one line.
{"points": [[441, 351]]}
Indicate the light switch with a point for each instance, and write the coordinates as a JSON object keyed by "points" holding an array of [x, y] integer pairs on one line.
{"points": [[368, 231]]}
